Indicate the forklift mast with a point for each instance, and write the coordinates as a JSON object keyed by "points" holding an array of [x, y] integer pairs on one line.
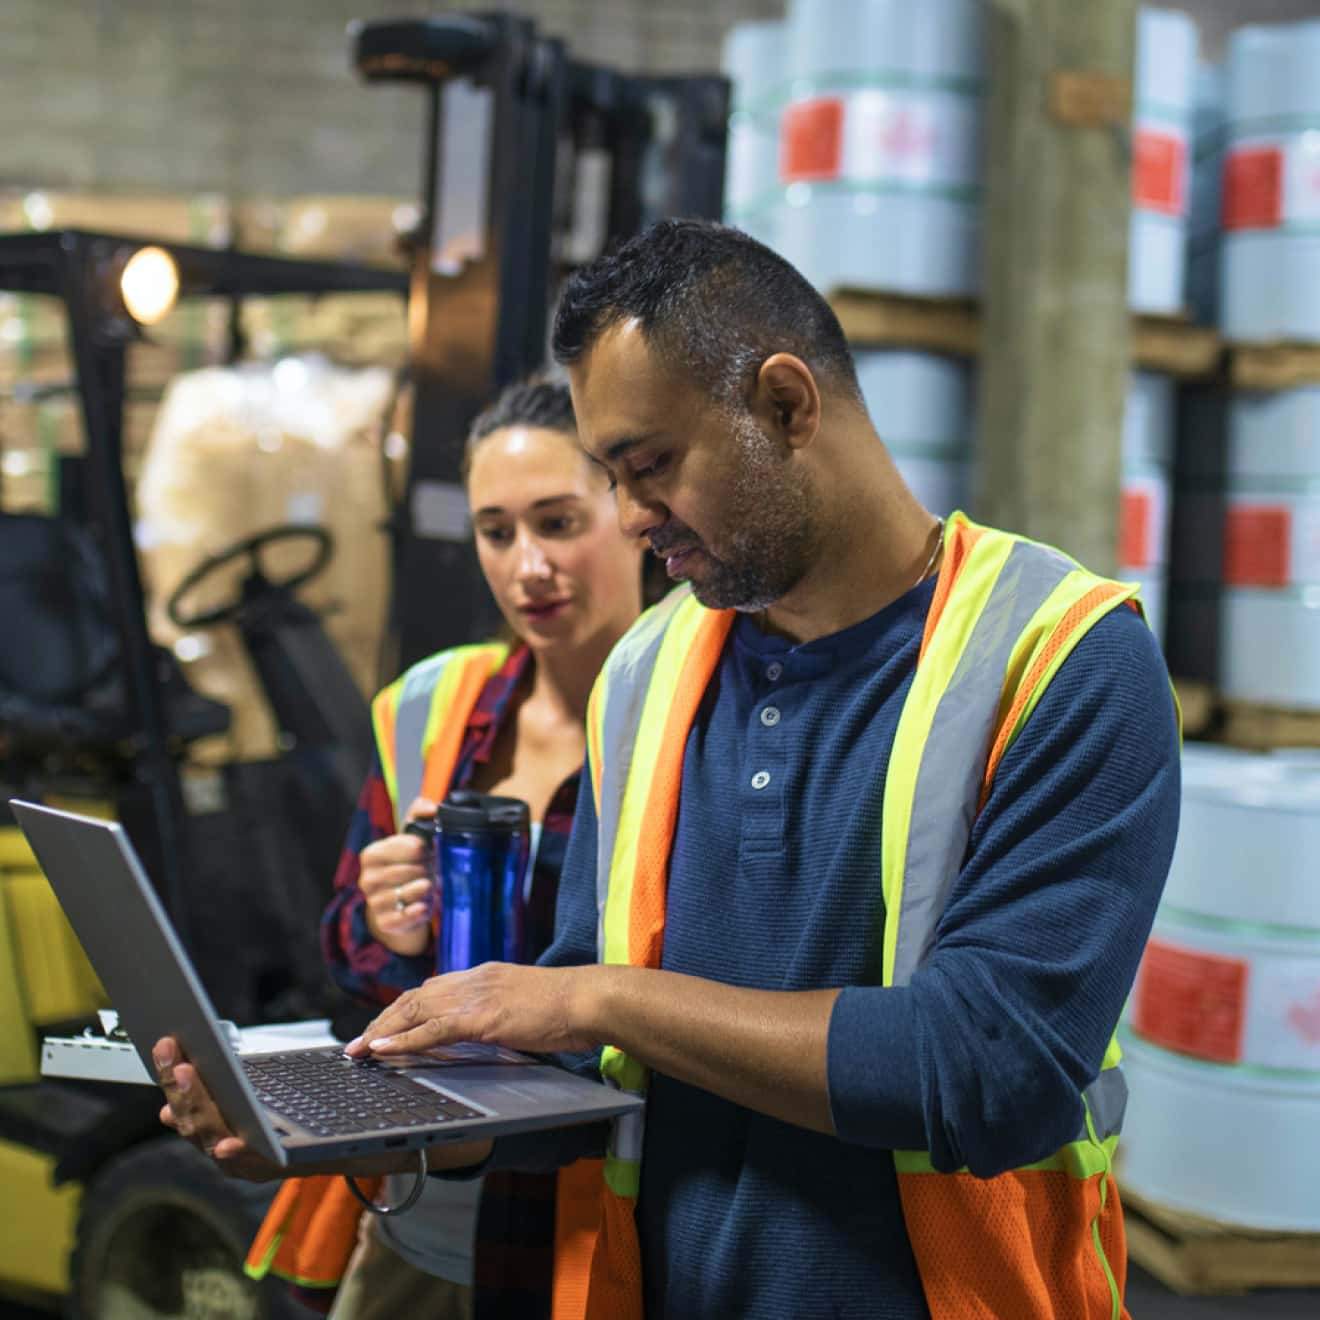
{"points": [[534, 161]]}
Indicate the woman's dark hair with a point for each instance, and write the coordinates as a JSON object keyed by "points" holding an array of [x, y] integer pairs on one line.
{"points": [[534, 401]]}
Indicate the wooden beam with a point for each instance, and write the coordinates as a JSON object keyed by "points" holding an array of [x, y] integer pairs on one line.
{"points": [[1056, 329], [894, 320], [1274, 366], [1176, 347]]}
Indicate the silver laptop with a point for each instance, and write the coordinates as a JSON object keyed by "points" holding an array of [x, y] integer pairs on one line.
{"points": [[294, 1106]]}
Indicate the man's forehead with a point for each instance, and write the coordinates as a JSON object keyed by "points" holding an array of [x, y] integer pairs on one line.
{"points": [[619, 388]]}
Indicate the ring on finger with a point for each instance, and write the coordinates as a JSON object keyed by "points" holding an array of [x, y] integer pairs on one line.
{"points": [[399, 904]]}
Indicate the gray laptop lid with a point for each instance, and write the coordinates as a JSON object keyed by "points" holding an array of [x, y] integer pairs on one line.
{"points": [[124, 930]]}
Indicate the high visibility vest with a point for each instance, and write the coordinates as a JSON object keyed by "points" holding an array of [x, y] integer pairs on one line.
{"points": [[1030, 1244], [310, 1230]]}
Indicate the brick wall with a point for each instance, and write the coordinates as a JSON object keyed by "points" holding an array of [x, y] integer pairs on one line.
{"points": [[255, 96]]}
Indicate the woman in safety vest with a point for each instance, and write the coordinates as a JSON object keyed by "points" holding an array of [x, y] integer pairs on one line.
{"points": [[505, 717]]}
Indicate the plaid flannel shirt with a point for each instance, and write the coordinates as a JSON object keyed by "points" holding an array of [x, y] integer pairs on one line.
{"points": [[515, 1227]]}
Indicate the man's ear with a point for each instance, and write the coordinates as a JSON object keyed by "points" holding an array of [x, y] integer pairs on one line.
{"points": [[788, 395]]}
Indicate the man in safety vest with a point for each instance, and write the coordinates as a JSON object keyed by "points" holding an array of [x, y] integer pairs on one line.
{"points": [[881, 810]]}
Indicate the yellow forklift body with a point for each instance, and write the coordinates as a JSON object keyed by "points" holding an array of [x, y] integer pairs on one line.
{"points": [[18, 1042], [57, 982], [45, 978], [39, 1221]]}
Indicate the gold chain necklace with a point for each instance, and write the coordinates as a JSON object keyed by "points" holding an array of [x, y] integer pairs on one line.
{"points": [[934, 554]]}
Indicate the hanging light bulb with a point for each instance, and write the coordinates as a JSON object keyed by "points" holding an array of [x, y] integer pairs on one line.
{"points": [[149, 284]]}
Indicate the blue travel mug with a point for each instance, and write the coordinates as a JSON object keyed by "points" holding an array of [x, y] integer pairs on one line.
{"points": [[482, 843]]}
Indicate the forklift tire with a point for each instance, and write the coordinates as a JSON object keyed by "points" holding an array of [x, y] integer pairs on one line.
{"points": [[162, 1235]]}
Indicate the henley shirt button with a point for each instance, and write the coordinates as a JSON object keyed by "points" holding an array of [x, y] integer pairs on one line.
{"points": [[760, 779], [770, 716], [773, 670]]}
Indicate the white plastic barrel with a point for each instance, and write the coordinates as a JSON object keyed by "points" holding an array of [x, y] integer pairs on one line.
{"points": [[881, 144], [1222, 1042], [1270, 263], [1270, 639], [1143, 540], [1206, 194], [1233, 1145], [922, 405], [1161, 141], [753, 60]]}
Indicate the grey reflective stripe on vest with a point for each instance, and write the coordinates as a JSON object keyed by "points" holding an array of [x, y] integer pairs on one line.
{"points": [[949, 779], [410, 717], [628, 1133], [1106, 1101], [626, 682]]}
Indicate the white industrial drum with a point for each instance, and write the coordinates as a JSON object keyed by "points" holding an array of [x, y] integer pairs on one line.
{"points": [[1161, 139], [1232, 1145], [881, 144], [1270, 261], [753, 60], [1222, 1041], [1143, 540], [921, 403], [1270, 639]]}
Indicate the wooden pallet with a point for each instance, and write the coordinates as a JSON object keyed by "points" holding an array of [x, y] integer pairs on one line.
{"points": [[944, 325], [1264, 728], [1200, 706], [1176, 347], [1192, 1254], [1273, 366], [891, 320]]}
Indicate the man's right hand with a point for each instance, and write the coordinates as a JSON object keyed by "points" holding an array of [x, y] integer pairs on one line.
{"points": [[396, 881]]}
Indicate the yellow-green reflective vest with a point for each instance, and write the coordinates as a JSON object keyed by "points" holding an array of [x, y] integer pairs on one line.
{"points": [[1031, 1244]]}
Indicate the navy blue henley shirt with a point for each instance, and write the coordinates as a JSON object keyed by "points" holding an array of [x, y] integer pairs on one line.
{"points": [[774, 884]]}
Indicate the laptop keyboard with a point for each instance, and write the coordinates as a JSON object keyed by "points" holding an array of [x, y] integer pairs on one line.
{"points": [[331, 1095]]}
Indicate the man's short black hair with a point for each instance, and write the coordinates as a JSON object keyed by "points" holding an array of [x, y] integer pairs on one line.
{"points": [[710, 299]]}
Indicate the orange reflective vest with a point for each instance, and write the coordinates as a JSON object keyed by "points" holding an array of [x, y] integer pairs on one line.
{"points": [[310, 1230], [1030, 1244]]}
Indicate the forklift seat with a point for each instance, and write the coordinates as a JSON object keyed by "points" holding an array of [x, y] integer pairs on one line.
{"points": [[62, 686]]}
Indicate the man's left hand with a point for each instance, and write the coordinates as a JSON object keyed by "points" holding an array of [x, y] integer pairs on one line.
{"points": [[192, 1113], [543, 1009]]}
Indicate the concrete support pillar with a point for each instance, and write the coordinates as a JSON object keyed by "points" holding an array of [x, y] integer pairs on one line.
{"points": [[1055, 346]]}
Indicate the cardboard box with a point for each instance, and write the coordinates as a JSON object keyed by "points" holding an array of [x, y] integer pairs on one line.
{"points": [[234, 451]]}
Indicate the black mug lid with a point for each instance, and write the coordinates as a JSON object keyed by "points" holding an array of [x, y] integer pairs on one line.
{"points": [[483, 813]]}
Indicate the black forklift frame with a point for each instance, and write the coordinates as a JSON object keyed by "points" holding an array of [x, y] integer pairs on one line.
{"points": [[474, 325], [80, 268], [506, 108]]}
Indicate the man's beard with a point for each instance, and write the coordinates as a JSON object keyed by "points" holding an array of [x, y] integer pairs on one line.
{"points": [[773, 531]]}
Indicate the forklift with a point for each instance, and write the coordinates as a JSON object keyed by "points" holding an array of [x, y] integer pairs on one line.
{"points": [[534, 162]]}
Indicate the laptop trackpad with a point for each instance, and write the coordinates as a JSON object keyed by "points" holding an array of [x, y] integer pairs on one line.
{"points": [[509, 1092], [465, 1054]]}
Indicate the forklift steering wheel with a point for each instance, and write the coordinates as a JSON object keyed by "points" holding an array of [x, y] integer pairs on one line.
{"points": [[250, 549]]}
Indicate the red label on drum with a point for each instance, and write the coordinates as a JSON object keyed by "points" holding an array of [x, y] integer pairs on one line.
{"points": [[1192, 1002], [1158, 172], [1135, 528], [811, 148], [1257, 546], [1253, 189]]}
